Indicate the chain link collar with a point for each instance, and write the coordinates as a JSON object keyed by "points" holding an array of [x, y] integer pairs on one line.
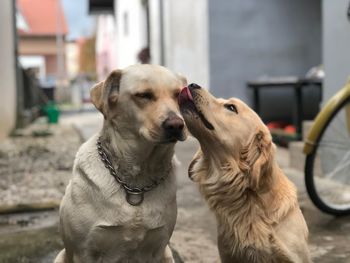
{"points": [[134, 195]]}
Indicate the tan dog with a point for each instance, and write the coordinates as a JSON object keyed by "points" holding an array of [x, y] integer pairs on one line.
{"points": [[258, 216], [101, 220]]}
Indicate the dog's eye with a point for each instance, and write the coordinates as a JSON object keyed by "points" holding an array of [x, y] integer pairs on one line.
{"points": [[176, 94], [145, 95], [231, 107]]}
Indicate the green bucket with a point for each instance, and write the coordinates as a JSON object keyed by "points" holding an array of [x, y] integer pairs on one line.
{"points": [[52, 112]]}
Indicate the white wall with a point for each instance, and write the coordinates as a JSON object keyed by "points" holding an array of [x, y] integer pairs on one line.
{"points": [[155, 31], [336, 45], [7, 69], [131, 28], [185, 37], [106, 45]]}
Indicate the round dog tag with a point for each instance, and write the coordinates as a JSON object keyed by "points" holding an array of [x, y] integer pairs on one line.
{"points": [[134, 198]]}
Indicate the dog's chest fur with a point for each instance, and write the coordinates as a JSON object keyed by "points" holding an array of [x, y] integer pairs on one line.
{"points": [[103, 220], [245, 230], [227, 195]]}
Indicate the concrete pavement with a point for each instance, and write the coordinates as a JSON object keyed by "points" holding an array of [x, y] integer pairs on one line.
{"points": [[87, 123]]}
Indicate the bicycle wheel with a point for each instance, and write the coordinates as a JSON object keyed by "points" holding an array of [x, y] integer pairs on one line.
{"points": [[327, 167]]}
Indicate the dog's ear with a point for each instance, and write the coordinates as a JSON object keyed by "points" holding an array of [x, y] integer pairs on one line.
{"points": [[192, 167], [96, 96], [182, 79], [256, 158], [106, 92]]}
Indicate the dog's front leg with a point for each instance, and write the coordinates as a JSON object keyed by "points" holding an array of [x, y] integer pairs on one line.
{"points": [[168, 255], [61, 257]]}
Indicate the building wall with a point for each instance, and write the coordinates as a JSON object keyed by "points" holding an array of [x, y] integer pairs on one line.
{"points": [[37, 45], [155, 31], [250, 39], [131, 31], [72, 59], [186, 39], [336, 45], [87, 56], [51, 65], [45, 46], [7, 69], [106, 46]]}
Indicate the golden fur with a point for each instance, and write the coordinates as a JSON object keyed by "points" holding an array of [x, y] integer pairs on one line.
{"points": [[258, 216]]}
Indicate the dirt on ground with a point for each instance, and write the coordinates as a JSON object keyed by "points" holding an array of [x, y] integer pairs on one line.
{"points": [[36, 164], [35, 167]]}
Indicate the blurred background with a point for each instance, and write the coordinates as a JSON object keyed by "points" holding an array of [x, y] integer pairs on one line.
{"points": [[63, 47], [284, 58]]}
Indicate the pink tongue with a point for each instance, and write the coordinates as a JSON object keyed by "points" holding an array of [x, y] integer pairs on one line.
{"points": [[185, 94]]}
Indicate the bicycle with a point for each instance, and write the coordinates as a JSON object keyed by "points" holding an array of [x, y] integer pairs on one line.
{"points": [[327, 149]]}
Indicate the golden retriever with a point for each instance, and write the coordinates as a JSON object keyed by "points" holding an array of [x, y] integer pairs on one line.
{"points": [[258, 216], [126, 213]]}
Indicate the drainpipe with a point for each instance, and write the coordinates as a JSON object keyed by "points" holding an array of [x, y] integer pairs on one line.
{"points": [[161, 31], [18, 75], [60, 50]]}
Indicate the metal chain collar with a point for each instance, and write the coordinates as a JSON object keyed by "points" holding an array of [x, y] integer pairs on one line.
{"points": [[134, 195]]}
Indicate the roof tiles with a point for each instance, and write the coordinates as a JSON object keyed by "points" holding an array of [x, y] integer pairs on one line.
{"points": [[43, 17]]}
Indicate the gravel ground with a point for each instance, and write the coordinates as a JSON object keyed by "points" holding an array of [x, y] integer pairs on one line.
{"points": [[36, 169]]}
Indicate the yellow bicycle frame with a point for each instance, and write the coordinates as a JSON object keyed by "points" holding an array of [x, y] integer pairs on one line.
{"points": [[324, 115]]}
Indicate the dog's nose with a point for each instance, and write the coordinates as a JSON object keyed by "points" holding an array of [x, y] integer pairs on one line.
{"points": [[194, 86], [173, 125]]}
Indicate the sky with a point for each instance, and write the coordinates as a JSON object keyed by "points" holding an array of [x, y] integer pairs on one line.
{"points": [[80, 23]]}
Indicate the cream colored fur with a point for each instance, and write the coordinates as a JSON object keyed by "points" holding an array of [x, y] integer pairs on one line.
{"points": [[96, 222], [258, 216]]}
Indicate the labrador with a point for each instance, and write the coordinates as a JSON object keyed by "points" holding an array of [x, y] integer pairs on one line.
{"points": [[256, 207], [120, 205]]}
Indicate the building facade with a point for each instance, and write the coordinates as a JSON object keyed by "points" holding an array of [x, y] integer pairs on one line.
{"points": [[41, 39], [336, 45], [153, 31], [8, 98], [224, 44]]}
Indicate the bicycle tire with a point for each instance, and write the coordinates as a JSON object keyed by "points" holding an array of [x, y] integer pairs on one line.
{"points": [[309, 172]]}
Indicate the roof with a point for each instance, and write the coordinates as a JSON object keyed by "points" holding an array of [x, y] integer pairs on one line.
{"points": [[42, 17]]}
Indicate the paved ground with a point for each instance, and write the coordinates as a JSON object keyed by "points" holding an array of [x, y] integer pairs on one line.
{"points": [[195, 236]]}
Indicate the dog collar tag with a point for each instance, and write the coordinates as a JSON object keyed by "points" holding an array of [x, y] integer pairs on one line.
{"points": [[134, 198]]}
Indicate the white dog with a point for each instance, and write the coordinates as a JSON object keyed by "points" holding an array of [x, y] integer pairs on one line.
{"points": [[120, 205]]}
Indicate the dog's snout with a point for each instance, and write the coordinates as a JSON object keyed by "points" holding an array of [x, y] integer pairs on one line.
{"points": [[194, 86], [173, 125]]}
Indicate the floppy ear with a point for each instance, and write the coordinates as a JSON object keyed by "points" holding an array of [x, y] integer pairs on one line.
{"points": [[96, 96], [182, 79], [191, 168], [106, 92], [256, 158]]}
